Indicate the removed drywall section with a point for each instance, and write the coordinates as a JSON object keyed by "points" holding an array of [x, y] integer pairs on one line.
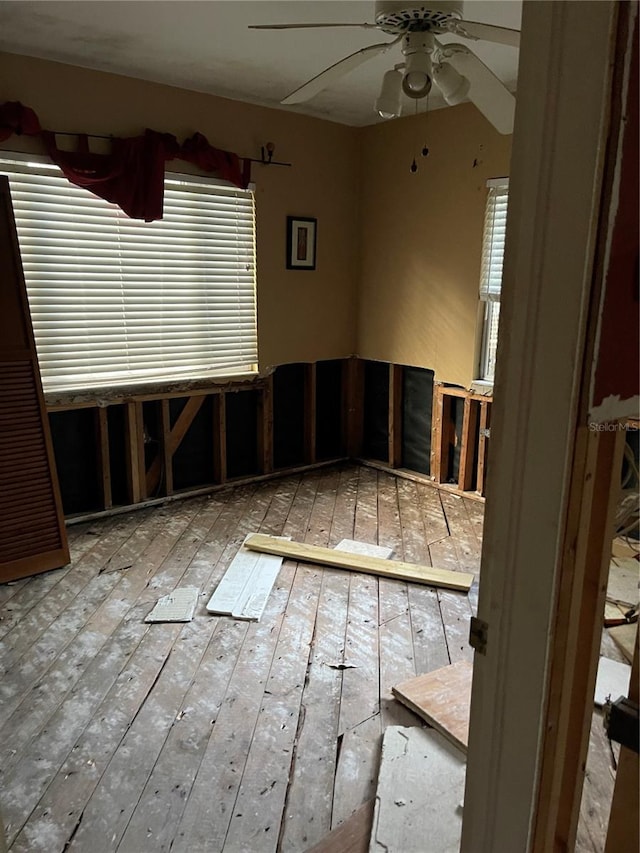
{"points": [[289, 415], [74, 446], [303, 316], [421, 238], [417, 399], [193, 458], [242, 434], [375, 444], [329, 403], [117, 455]]}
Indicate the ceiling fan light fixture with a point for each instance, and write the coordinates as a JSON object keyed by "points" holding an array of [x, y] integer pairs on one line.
{"points": [[454, 86], [388, 101], [416, 82]]}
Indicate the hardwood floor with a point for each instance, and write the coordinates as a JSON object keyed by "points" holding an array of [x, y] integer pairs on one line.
{"points": [[218, 734]]}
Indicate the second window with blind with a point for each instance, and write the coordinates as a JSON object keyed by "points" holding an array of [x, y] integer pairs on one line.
{"points": [[491, 273]]}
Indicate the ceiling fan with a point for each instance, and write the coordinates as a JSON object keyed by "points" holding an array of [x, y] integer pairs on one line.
{"points": [[454, 68]]}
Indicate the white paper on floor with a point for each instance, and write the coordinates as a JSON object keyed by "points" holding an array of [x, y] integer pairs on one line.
{"points": [[612, 681]]}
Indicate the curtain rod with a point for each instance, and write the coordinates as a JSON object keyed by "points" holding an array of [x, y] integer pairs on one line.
{"points": [[264, 160]]}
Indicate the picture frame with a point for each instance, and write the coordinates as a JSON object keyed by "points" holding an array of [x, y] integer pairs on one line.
{"points": [[301, 242]]}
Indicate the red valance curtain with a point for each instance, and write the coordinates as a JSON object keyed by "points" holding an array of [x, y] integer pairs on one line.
{"points": [[131, 174]]}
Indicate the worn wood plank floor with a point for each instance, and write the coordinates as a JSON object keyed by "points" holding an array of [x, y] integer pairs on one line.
{"points": [[222, 735]]}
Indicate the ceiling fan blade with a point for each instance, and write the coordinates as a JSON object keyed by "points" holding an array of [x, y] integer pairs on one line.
{"points": [[334, 72], [486, 91], [486, 32], [307, 26]]}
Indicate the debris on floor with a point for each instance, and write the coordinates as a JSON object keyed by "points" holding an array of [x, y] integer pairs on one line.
{"points": [[359, 563], [364, 548], [612, 681], [178, 606], [443, 699], [624, 636], [246, 585], [624, 580], [420, 789]]}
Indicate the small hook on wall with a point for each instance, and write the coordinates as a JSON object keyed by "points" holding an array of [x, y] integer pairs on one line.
{"points": [[266, 153]]}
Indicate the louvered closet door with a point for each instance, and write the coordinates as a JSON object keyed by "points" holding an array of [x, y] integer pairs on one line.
{"points": [[32, 533]]}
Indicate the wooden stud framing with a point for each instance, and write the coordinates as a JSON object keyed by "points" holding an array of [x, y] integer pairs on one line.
{"points": [[395, 415], [594, 494], [265, 426], [440, 444], [135, 452], [483, 445], [167, 460], [469, 426], [353, 405], [220, 438], [310, 413], [171, 443], [103, 459]]}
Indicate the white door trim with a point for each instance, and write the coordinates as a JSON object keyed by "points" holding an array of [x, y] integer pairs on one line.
{"points": [[556, 173]]}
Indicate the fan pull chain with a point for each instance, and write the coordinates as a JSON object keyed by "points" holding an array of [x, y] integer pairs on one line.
{"points": [[414, 166], [425, 149]]}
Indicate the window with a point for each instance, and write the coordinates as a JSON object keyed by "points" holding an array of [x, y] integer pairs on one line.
{"points": [[118, 301], [491, 276]]}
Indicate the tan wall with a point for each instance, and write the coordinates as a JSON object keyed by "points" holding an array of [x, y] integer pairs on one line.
{"points": [[303, 315], [421, 238]]}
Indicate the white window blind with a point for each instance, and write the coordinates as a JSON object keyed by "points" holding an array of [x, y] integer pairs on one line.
{"points": [[119, 301], [495, 224]]}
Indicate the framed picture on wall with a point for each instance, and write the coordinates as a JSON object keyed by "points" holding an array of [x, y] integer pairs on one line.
{"points": [[301, 243]]}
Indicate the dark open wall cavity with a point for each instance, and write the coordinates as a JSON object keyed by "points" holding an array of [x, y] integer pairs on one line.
{"points": [[417, 404], [193, 459], [375, 435], [117, 455], [242, 434], [74, 443], [329, 415], [289, 415]]}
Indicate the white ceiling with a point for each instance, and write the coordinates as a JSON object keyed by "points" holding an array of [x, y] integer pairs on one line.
{"points": [[206, 46]]}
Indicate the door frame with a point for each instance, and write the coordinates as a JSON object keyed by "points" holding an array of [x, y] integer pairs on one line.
{"points": [[540, 490]]}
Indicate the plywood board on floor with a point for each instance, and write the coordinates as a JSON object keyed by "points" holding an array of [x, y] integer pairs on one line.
{"points": [[624, 636], [359, 563], [442, 698], [419, 794]]}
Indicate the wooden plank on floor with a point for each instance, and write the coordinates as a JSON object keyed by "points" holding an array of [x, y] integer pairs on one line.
{"points": [[442, 699], [420, 789], [624, 636], [261, 797], [352, 836], [25, 782], [361, 683], [393, 593], [357, 768], [60, 810], [397, 663], [356, 562], [429, 641], [307, 814], [210, 805], [162, 802]]}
